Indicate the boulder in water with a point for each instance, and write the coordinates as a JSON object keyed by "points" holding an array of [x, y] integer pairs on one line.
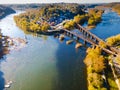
{"points": [[69, 41], [78, 45]]}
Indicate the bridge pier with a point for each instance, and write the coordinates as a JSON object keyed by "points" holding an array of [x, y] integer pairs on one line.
{"points": [[85, 33], [88, 35], [67, 33], [91, 37], [71, 35], [77, 38], [64, 32], [96, 41], [80, 29], [85, 42]]}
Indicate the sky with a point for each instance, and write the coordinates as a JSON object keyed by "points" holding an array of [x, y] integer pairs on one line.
{"points": [[55, 1]]}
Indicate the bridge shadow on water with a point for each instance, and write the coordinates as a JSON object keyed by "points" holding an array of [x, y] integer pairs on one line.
{"points": [[71, 69]]}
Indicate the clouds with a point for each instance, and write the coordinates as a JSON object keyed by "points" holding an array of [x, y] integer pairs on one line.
{"points": [[55, 1]]}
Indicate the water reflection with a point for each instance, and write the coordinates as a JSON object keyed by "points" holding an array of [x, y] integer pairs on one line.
{"points": [[2, 81], [71, 69]]}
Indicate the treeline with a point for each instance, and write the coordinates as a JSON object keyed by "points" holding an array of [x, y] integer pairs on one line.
{"points": [[32, 25], [95, 63], [98, 66], [115, 42], [99, 73], [78, 19], [114, 6], [93, 17], [39, 20], [4, 11]]}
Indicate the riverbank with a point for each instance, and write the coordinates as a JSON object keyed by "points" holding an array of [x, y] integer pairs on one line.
{"points": [[8, 44], [111, 20], [95, 69], [66, 17], [101, 67]]}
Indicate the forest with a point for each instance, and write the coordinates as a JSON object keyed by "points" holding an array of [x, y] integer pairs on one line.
{"points": [[41, 19]]}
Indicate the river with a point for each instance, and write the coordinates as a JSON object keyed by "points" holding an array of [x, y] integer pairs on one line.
{"points": [[45, 63], [109, 26]]}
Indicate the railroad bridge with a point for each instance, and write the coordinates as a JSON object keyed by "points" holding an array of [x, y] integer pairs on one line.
{"points": [[91, 38]]}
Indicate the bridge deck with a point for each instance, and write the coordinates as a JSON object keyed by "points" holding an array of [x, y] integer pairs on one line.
{"points": [[97, 38], [81, 37], [111, 50]]}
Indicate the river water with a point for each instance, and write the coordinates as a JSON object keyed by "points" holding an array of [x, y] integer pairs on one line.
{"points": [[45, 63], [109, 26]]}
